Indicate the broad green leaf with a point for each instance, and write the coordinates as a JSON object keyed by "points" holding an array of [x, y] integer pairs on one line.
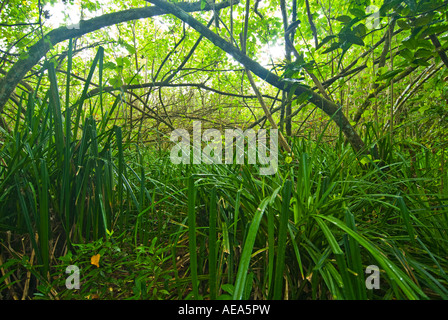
{"points": [[116, 82], [359, 13], [410, 43], [389, 74], [407, 54], [334, 46], [305, 96], [24, 55], [434, 30], [344, 19], [423, 20], [123, 62], [421, 62], [366, 159], [325, 40], [360, 30], [423, 43], [403, 24], [109, 65], [354, 39], [389, 5], [411, 4], [423, 53]]}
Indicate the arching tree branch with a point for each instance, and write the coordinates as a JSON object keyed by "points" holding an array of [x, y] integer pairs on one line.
{"points": [[39, 49], [325, 105], [435, 41]]}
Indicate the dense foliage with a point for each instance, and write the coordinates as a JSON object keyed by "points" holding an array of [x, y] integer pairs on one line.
{"points": [[356, 89]]}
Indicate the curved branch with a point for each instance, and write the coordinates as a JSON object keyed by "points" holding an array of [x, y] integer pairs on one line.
{"points": [[165, 84], [329, 107], [435, 41], [411, 89], [39, 49], [377, 90]]}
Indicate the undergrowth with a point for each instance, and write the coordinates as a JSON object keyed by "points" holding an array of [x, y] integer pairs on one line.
{"points": [[73, 191]]}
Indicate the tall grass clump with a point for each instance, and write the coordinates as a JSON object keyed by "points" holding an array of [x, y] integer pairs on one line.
{"points": [[311, 230], [63, 177], [72, 186]]}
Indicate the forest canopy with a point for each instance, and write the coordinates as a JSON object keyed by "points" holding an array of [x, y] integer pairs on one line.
{"points": [[90, 92]]}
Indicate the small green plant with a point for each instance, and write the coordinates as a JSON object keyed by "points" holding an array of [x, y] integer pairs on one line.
{"points": [[75, 192], [112, 269]]}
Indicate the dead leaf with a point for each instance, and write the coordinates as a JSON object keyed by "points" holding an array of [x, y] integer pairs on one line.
{"points": [[95, 260]]}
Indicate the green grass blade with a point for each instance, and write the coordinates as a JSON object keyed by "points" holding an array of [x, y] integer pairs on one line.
{"points": [[243, 267], [44, 220], [55, 105], [405, 214], [192, 236], [339, 254], [100, 183], [271, 249], [355, 258], [236, 215], [98, 55], [281, 247], [108, 114], [100, 79], [296, 250], [65, 195], [397, 276], [27, 218], [69, 69], [119, 142], [212, 246]]}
